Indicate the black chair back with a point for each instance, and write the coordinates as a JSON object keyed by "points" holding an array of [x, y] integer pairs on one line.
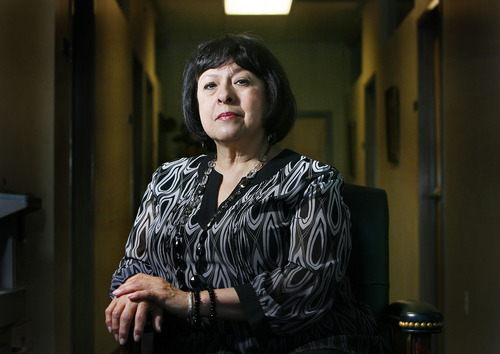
{"points": [[368, 267]]}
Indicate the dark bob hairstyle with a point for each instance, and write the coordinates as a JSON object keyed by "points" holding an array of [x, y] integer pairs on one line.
{"points": [[250, 54]]}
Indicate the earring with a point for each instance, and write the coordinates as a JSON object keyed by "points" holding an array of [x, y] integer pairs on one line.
{"points": [[271, 138]]}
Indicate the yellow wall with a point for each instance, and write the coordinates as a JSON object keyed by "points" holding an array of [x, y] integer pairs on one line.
{"points": [[116, 40], [316, 72], [393, 63], [27, 48], [470, 80], [112, 153]]}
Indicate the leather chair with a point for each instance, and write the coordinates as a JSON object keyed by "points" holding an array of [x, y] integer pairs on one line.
{"points": [[407, 324]]}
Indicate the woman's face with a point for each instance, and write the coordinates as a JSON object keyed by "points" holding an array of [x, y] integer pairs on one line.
{"points": [[231, 103]]}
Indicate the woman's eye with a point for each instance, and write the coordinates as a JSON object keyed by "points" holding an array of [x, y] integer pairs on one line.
{"points": [[242, 82], [209, 86]]}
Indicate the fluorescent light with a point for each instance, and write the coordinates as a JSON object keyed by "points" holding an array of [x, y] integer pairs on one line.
{"points": [[257, 7]]}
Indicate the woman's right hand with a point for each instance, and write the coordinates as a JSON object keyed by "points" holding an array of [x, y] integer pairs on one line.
{"points": [[121, 312]]}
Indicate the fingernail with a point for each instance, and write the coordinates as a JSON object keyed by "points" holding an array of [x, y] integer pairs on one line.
{"points": [[137, 338], [116, 337], [122, 341], [109, 329]]}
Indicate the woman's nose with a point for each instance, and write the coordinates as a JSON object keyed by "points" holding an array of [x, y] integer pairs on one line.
{"points": [[226, 95], [225, 99]]}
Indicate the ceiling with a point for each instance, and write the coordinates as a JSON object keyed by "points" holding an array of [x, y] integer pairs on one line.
{"points": [[309, 20]]}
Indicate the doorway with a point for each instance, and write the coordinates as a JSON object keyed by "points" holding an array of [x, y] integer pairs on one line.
{"points": [[430, 158], [142, 125], [371, 133]]}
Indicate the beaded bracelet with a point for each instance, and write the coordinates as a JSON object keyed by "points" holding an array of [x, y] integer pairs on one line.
{"points": [[196, 314], [190, 307], [213, 313]]}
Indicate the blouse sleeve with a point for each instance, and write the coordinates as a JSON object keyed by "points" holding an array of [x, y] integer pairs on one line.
{"points": [[290, 299], [136, 258]]}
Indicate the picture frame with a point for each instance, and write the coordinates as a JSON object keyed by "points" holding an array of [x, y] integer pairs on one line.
{"points": [[352, 142], [392, 113]]}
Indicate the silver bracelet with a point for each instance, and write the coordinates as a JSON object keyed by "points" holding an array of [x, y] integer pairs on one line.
{"points": [[190, 307]]}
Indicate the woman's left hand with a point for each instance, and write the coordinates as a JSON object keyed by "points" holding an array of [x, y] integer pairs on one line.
{"points": [[158, 290]]}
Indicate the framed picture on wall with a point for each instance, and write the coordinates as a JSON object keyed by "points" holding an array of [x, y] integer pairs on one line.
{"points": [[352, 142], [392, 123]]}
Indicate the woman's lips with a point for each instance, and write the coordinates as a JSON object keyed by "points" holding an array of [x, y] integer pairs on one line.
{"points": [[227, 116]]}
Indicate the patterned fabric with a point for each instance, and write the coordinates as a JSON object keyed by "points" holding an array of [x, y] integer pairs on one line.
{"points": [[284, 245]]}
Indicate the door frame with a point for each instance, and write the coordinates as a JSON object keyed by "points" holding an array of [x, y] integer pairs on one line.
{"points": [[82, 177], [430, 137], [371, 136]]}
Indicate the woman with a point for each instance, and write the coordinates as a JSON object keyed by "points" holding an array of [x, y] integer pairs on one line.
{"points": [[243, 249]]}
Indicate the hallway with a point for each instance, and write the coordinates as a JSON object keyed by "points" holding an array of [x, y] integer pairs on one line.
{"points": [[90, 106]]}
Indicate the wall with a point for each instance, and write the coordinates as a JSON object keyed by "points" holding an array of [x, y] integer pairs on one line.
{"points": [[471, 82], [27, 49], [112, 154], [393, 62], [35, 96], [318, 82], [398, 67], [62, 178], [171, 58], [117, 38]]}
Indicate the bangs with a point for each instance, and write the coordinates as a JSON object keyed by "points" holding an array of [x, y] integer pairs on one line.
{"points": [[217, 53]]}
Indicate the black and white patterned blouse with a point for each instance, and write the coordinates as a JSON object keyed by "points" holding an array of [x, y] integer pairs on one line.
{"points": [[283, 245]]}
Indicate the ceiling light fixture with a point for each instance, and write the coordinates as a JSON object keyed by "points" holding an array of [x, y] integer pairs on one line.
{"points": [[257, 7]]}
